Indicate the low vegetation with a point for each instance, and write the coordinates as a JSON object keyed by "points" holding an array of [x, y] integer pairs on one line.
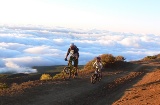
{"points": [[3, 85], [58, 76], [45, 77], [49, 77], [55, 72], [107, 60], [154, 57]]}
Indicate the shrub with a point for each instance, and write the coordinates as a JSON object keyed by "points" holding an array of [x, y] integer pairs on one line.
{"points": [[119, 58], [107, 58], [45, 77], [149, 58], [3, 86], [58, 76]]}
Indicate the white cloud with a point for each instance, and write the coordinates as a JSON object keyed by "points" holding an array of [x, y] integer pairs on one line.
{"points": [[13, 46], [130, 42], [14, 68], [59, 41], [24, 47], [41, 50]]}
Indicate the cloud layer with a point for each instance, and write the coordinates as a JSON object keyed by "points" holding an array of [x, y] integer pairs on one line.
{"points": [[24, 47]]}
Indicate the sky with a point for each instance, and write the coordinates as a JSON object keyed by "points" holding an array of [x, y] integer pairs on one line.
{"points": [[24, 47], [136, 16], [39, 32]]}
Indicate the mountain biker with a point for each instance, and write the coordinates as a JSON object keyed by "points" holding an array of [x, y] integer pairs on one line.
{"points": [[98, 65], [73, 51]]}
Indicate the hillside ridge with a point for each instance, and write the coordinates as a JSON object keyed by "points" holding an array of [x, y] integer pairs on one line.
{"points": [[115, 88]]}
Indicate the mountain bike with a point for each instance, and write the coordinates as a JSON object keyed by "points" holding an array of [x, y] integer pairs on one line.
{"points": [[96, 76], [69, 71]]}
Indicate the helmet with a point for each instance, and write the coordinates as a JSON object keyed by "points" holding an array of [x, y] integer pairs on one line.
{"points": [[72, 44], [98, 58]]}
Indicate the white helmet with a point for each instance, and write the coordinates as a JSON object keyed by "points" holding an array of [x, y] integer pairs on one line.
{"points": [[72, 44]]}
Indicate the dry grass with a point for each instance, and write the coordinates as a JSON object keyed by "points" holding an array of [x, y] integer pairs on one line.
{"points": [[154, 57], [3, 86], [108, 60], [45, 77]]}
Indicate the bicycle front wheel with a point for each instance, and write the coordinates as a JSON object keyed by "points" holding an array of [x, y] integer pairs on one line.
{"points": [[74, 72], [93, 79], [66, 73]]}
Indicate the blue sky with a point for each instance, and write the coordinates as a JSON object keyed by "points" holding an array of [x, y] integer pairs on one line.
{"points": [[39, 32], [136, 16]]}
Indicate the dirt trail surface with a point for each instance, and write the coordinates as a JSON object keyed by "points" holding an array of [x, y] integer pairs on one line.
{"points": [[135, 85]]}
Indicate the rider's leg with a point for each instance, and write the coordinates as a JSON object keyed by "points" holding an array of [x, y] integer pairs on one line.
{"points": [[96, 73], [70, 61], [76, 66], [100, 72]]}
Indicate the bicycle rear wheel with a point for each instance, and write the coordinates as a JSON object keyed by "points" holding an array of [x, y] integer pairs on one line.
{"points": [[99, 78], [67, 73]]}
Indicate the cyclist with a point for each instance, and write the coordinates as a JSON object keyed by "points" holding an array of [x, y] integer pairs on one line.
{"points": [[98, 65], [73, 51]]}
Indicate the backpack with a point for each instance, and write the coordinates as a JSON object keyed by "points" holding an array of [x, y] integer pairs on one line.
{"points": [[77, 49]]}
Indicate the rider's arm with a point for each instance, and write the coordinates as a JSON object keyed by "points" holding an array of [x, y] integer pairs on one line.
{"points": [[68, 52]]}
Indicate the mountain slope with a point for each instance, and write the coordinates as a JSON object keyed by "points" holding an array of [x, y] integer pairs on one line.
{"points": [[120, 86]]}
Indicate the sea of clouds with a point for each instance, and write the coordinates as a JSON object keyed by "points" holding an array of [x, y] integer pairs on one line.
{"points": [[23, 47]]}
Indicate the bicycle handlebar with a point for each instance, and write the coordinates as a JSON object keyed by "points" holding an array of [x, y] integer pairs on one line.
{"points": [[65, 59]]}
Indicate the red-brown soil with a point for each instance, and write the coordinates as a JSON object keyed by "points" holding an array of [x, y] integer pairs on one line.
{"points": [[136, 84]]}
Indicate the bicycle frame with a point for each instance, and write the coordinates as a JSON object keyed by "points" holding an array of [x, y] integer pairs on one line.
{"points": [[96, 76], [69, 70]]}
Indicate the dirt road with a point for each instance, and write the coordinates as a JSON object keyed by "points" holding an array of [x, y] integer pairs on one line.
{"points": [[80, 91]]}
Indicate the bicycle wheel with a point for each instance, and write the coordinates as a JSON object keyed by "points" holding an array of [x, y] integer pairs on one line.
{"points": [[73, 72], [99, 77], [66, 73], [93, 79]]}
